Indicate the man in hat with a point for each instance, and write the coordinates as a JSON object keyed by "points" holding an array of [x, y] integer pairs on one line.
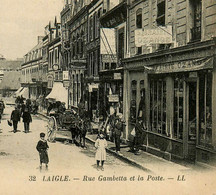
{"points": [[15, 117], [138, 139], [118, 129]]}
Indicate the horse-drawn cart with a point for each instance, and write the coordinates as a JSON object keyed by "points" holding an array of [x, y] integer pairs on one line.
{"points": [[61, 122], [69, 121]]}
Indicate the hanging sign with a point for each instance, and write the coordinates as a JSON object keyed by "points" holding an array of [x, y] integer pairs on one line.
{"points": [[117, 76], [160, 35], [65, 75], [113, 98]]}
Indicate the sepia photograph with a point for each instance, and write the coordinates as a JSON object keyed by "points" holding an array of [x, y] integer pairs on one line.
{"points": [[108, 97]]}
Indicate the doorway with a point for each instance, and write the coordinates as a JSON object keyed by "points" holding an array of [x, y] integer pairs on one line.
{"points": [[191, 119]]}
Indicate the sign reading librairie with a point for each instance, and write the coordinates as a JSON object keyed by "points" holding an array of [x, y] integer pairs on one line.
{"points": [[160, 35]]}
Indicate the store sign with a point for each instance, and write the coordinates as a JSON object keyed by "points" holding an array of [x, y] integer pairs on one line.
{"points": [[113, 98], [182, 66], [93, 86], [117, 76], [65, 75], [160, 35]]}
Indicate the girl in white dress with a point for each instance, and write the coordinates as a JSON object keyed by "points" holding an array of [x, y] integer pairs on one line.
{"points": [[100, 155]]}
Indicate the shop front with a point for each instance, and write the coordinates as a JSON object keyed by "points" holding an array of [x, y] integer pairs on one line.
{"points": [[111, 92], [179, 96]]}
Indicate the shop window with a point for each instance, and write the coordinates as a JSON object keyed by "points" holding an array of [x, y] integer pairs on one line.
{"points": [[133, 101], [141, 109], [205, 110], [158, 106], [178, 108]]}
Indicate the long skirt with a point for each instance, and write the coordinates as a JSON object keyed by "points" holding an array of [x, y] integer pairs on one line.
{"points": [[100, 154], [44, 157]]}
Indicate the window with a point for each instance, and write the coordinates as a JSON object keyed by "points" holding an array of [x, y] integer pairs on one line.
{"points": [[139, 25], [91, 29], [205, 109], [161, 7], [133, 101], [94, 26], [178, 107], [158, 106], [121, 44], [139, 18], [196, 17]]}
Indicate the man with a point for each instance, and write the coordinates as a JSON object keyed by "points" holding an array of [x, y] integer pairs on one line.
{"points": [[138, 139], [118, 129], [26, 120], [15, 117]]}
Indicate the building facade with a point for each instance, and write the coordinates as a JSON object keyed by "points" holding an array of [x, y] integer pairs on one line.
{"points": [[93, 58], [31, 71], [171, 84], [113, 35]]}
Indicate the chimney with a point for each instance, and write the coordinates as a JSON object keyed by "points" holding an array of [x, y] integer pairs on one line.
{"points": [[40, 38]]}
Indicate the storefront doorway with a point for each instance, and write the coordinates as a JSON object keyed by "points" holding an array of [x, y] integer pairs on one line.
{"points": [[189, 142]]}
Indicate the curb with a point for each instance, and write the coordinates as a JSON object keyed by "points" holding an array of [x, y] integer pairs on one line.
{"points": [[121, 157]]}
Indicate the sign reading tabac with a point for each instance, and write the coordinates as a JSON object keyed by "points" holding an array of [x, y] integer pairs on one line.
{"points": [[160, 35]]}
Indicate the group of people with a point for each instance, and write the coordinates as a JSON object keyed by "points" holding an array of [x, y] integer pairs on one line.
{"points": [[117, 126], [24, 113]]}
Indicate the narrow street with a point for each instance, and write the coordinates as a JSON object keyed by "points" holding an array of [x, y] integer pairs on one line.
{"points": [[20, 165]]}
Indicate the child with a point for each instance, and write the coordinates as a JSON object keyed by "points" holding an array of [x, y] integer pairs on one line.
{"points": [[42, 148], [100, 155]]}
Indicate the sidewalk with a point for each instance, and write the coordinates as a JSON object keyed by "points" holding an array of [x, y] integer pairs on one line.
{"points": [[144, 161]]}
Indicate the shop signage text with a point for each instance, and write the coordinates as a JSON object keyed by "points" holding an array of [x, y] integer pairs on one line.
{"points": [[65, 75], [182, 66], [93, 86], [117, 76], [113, 98], [160, 35]]}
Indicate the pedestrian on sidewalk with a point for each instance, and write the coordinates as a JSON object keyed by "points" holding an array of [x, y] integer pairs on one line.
{"points": [[100, 155], [15, 117], [118, 129], [42, 148], [27, 119], [138, 139]]}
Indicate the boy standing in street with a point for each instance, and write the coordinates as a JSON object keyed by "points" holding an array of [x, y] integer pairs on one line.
{"points": [[42, 148]]}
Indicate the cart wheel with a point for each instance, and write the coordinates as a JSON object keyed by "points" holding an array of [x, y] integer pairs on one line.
{"points": [[51, 129]]}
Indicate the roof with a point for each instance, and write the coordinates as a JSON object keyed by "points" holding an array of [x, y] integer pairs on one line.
{"points": [[11, 80], [9, 64]]}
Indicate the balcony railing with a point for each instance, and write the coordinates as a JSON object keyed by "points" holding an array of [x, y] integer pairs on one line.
{"points": [[196, 33]]}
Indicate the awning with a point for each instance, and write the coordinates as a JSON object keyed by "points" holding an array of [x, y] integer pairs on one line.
{"points": [[59, 93], [24, 93]]}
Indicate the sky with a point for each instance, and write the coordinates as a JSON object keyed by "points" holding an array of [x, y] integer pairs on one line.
{"points": [[22, 21]]}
